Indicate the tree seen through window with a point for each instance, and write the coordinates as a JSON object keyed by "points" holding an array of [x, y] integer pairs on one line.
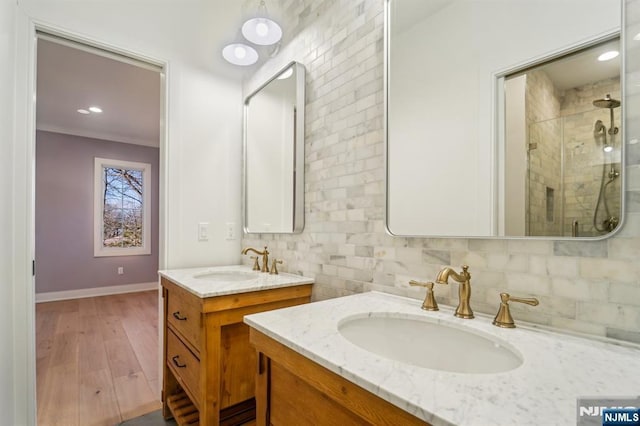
{"points": [[123, 208]]}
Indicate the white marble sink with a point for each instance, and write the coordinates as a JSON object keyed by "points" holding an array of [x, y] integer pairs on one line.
{"points": [[233, 279], [554, 369], [226, 276], [419, 341]]}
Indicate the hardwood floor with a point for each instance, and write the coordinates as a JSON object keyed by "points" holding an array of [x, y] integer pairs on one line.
{"points": [[97, 359]]}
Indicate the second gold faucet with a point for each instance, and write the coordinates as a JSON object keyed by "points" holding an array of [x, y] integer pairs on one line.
{"points": [[265, 258]]}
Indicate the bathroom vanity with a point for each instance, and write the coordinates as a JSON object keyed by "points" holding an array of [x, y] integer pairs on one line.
{"points": [[208, 363], [378, 359]]}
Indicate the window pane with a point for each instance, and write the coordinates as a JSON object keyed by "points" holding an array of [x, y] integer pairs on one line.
{"points": [[123, 206], [132, 226]]}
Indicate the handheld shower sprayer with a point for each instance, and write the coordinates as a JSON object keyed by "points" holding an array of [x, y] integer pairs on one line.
{"points": [[600, 128]]}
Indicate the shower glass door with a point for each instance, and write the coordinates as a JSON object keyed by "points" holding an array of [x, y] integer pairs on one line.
{"points": [[573, 186]]}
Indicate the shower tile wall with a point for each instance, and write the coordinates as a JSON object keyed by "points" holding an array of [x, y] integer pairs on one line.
{"points": [[545, 159], [582, 156], [588, 286]]}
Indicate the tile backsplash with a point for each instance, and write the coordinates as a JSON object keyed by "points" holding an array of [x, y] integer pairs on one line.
{"points": [[591, 286]]}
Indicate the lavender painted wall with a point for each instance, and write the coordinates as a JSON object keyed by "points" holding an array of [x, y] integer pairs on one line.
{"points": [[64, 215]]}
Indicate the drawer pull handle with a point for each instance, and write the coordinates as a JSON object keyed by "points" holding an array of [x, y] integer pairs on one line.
{"points": [[177, 363], [177, 316]]}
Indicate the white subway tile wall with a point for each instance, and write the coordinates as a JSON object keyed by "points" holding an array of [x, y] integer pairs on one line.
{"points": [[589, 287]]}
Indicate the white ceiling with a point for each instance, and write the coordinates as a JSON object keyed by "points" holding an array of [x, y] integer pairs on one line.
{"points": [[69, 79], [583, 67]]}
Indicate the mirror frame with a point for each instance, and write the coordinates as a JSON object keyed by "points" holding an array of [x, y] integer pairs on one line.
{"points": [[298, 151], [498, 131]]}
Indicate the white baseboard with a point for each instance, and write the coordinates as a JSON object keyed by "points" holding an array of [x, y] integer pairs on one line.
{"points": [[93, 292]]}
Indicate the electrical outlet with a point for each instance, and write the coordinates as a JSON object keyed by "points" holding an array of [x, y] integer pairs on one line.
{"points": [[203, 231], [120, 270], [231, 231]]}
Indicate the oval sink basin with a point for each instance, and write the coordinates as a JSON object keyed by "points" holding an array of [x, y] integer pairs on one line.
{"points": [[226, 276], [430, 345]]}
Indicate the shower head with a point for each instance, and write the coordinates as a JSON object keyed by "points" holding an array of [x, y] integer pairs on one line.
{"points": [[607, 102]]}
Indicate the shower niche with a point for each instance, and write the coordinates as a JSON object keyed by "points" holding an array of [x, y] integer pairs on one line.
{"points": [[563, 144]]}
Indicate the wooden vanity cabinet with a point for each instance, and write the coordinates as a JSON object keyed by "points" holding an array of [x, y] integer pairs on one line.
{"points": [[209, 366], [293, 390]]}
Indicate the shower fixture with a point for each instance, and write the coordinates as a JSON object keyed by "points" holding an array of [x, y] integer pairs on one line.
{"points": [[610, 222], [609, 103]]}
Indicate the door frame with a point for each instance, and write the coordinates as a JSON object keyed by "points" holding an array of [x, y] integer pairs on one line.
{"points": [[23, 237]]}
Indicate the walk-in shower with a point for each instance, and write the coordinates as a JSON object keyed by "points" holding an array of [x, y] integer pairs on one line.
{"points": [[606, 139]]}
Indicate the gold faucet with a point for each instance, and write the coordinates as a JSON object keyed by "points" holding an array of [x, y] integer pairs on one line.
{"points": [[265, 258], [503, 317], [464, 291]]}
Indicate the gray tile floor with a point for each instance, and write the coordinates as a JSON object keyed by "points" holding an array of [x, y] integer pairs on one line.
{"points": [[151, 419]]}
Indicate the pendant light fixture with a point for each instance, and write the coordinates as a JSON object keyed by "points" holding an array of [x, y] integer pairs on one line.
{"points": [[261, 30], [240, 54]]}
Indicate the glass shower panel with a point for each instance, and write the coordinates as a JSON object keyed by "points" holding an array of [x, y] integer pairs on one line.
{"points": [[583, 166], [573, 176]]}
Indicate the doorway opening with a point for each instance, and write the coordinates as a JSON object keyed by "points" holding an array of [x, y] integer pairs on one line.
{"points": [[98, 144]]}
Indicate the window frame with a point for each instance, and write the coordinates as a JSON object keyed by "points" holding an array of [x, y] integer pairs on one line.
{"points": [[98, 211]]}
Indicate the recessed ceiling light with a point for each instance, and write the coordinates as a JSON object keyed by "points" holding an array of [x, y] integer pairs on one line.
{"points": [[83, 111], [95, 109], [606, 56]]}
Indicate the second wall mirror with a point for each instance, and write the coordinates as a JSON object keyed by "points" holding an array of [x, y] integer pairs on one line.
{"points": [[504, 118], [274, 154]]}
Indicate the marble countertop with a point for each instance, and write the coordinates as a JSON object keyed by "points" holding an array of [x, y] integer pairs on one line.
{"points": [[557, 368], [219, 280]]}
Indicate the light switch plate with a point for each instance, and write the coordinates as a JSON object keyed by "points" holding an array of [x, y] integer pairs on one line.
{"points": [[203, 231], [231, 231]]}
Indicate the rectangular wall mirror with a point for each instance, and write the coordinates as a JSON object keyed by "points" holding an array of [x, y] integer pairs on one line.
{"points": [[504, 118], [274, 154]]}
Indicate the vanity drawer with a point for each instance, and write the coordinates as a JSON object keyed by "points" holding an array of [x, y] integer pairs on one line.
{"points": [[183, 313], [185, 366]]}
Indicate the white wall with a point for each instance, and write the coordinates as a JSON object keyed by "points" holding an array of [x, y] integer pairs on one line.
{"points": [[204, 108], [202, 176], [442, 110], [7, 393]]}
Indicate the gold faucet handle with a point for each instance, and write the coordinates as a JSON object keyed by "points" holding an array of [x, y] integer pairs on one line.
{"points": [[429, 303], [256, 265], [274, 266], [503, 317]]}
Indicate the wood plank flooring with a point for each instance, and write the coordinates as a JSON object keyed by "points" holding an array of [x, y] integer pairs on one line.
{"points": [[97, 359]]}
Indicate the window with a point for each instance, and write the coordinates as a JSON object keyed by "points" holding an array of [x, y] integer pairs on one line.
{"points": [[122, 217]]}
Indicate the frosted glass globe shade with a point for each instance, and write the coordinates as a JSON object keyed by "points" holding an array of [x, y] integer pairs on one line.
{"points": [[240, 54], [262, 31]]}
